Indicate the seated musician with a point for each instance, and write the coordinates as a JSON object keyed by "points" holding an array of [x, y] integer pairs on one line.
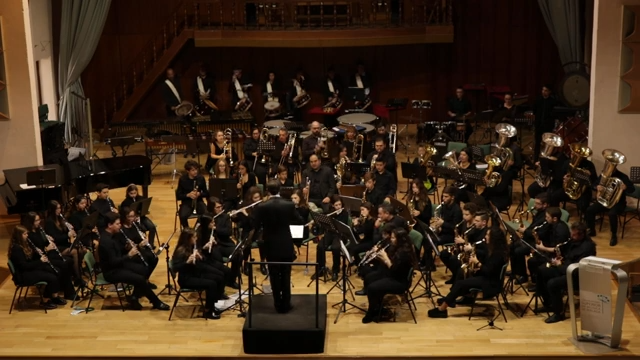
{"points": [[556, 169], [132, 196], [243, 222], [467, 231], [397, 260], [484, 269], [385, 181], [119, 266], [382, 152], [33, 267], [349, 142], [55, 225], [616, 210], [518, 251], [553, 279], [381, 235], [363, 228], [419, 200], [102, 204], [272, 89], [517, 162], [251, 155], [583, 202], [420, 160], [554, 232], [221, 170], [191, 192], [465, 161], [319, 184], [129, 231], [381, 132], [387, 214], [204, 88], [499, 194], [217, 152], [332, 90], [215, 240], [344, 175], [194, 273], [280, 155], [312, 144], [283, 176], [238, 87], [331, 242], [362, 80], [79, 212], [302, 208], [246, 179], [450, 215], [371, 193], [45, 243], [171, 93], [507, 111], [459, 110]]}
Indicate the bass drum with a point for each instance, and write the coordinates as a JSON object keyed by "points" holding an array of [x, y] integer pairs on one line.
{"points": [[574, 130]]}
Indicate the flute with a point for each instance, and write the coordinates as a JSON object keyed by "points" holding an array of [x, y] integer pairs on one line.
{"points": [[133, 245], [48, 238], [143, 237], [234, 212], [42, 254], [212, 237]]}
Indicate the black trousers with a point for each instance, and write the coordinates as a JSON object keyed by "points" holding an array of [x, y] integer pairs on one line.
{"points": [[534, 263], [518, 257], [51, 278], [139, 282], [355, 250], [452, 263], [210, 283], [280, 276], [322, 248], [597, 208], [552, 281], [377, 284], [462, 287], [218, 253], [65, 267], [151, 228], [261, 171], [186, 209], [247, 253], [152, 262]]}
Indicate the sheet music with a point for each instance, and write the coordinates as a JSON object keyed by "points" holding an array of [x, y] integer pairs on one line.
{"points": [[297, 231]]}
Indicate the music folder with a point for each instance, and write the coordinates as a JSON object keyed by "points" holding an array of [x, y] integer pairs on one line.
{"points": [[297, 231], [141, 207]]}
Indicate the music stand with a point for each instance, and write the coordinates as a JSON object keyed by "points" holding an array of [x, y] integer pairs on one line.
{"points": [[196, 145], [411, 171], [123, 142], [426, 275], [345, 236], [351, 204], [401, 209], [41, 177], [359, 168], [264, 147], [173, 139], [141, 208], [223, 189], [88, 224], [238, 251]]}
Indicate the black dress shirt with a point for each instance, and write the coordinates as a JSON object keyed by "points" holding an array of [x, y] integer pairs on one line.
{"points": [[308, 147], [388, 157], [385, 183], [543, 110], [208, 83], [112, 255], [459, 106], [451, 215], [59, 234], [186, 185], [375, 197], [323, 183]]}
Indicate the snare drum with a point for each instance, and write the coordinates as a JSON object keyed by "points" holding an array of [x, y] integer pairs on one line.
{"points": [[274, 124], [357, 119], [272, 108]]}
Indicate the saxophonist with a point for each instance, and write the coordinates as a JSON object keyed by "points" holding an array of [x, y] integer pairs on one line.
{"points": [[450, 215], [553, 279], [331, 243], [464, 230], [554, 232], [371, 193], [385, 182], [382, 152], [486, 268], [418, 202], [518, 251], [616, 210]]}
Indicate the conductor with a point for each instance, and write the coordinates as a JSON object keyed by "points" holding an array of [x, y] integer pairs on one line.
{"points": [[274, 217]]}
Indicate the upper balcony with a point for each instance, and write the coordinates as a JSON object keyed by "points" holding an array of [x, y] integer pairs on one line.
{"points": [[292, 23]]}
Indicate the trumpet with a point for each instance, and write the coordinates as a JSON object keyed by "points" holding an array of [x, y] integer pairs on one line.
{"points": [[133, 245], [143, 237], [42, 254], [358, 148], [373, 254], [393, 136]]}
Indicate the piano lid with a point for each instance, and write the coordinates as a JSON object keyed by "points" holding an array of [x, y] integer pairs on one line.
{"points": [[89, 168]]}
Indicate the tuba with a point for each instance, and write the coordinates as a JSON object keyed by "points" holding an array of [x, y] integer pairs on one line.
{"points": [[358, 148], [612, 185], [492, 178], [575, 185], [505, 132], [550, 142], [393, 136], [430, 151]]}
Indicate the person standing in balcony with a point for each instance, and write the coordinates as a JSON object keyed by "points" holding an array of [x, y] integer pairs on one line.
{"points": [[171, 92]]}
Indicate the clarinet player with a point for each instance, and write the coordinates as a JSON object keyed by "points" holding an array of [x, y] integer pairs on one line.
{"points": [[191, 192]]}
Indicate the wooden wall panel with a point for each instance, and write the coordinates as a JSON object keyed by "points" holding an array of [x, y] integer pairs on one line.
{"points": [[497, 42]]}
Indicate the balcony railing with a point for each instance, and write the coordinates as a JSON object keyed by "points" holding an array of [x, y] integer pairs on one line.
{"points": [[316, 15]]}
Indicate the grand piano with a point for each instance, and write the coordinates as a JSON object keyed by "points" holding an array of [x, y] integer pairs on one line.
{"points": [[77, 177]]}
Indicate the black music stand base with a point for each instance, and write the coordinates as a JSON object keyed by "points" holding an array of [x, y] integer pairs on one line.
{"points": [[346, 286], [169, 286], [534, 298], [428, 284], [490, 325]]}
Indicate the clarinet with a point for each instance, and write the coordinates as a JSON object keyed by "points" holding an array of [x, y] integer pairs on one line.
{"points": [[143, 237], [42, 254], [46, 237], [132, 244], [195, 188], [195, 254], [111, 204]]}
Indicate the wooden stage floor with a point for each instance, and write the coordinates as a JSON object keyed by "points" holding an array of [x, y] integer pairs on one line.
{"points": [[113, 333]]}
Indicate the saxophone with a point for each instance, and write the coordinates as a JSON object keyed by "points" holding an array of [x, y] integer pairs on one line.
{"points": [[340, 169], [411, 205], [558, 252], [468, 268], [364, 196]]}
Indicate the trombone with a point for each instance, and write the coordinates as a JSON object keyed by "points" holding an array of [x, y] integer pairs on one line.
{"points": [[358, 148]]}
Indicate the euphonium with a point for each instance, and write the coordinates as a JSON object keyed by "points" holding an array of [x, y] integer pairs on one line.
{"points": [[324, 136], [452, 158], [264, 136], [505, 132], [492, 178], [393, 136], [612, 185], [429, 151], [358, 148], [550, 142], [573, 186]]}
